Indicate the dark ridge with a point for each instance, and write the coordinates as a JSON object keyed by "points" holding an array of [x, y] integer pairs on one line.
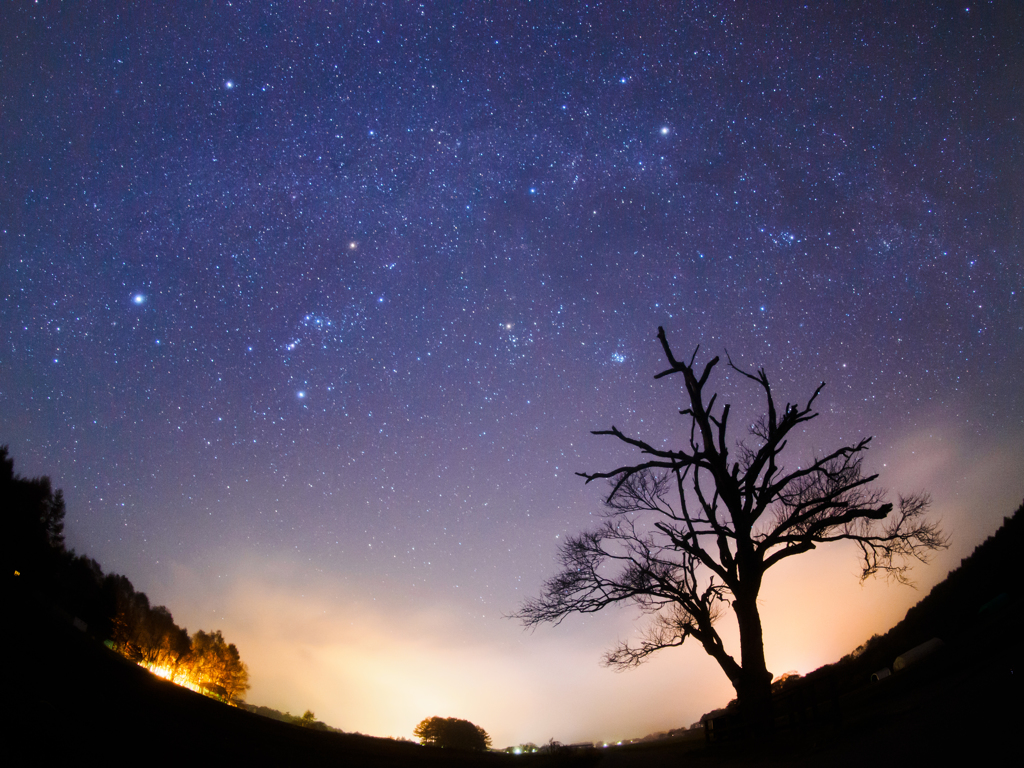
{"points": [[70, 697]]}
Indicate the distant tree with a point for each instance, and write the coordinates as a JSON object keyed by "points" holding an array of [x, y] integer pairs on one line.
{"points": [[235, 677], [308, 719], [161, 642], [522, 749], [79, 589], [452, 733], [217, 666], [689, 531], [32, 520], [131, 613]]}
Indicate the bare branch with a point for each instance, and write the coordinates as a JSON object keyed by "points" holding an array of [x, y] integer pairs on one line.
{"points": [[685, 531]]}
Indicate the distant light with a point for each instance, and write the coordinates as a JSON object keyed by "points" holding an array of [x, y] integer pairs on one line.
{"points": [[139, 298], [229, 84], [665, 130], [301, 394]]}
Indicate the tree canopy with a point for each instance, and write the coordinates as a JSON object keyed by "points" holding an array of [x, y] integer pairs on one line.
{"points": [[32, 516], [107, 605], [690, 531], [453, 733]]}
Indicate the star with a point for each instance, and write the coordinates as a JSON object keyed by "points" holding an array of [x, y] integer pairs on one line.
{"points": [[473, 200]]}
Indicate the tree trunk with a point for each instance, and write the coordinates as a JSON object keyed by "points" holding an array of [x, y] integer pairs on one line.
{"points": [[754, 684]]}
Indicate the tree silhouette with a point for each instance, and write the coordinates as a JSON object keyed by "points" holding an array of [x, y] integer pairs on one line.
{"points": [[689, 531], [33, 548], [32, 520], [452, 733]]}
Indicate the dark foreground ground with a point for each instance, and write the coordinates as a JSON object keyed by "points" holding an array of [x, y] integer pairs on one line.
{"points": [[70, 699]]}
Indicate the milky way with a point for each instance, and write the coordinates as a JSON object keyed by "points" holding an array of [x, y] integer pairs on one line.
{"points": [[326, 300]]}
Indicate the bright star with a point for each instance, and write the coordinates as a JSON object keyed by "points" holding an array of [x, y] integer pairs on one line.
{"points": [[229, 84], [139, 298], [665, 130]]}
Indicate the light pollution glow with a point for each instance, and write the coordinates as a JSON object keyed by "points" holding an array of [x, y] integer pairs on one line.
{"points": [[310, 313], [380, 666]]}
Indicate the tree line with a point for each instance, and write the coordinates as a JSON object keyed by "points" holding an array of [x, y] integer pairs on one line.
{"points": [[105, 606]]}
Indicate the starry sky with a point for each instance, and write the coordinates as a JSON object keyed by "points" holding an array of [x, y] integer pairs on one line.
{"points": [[310, 308]]}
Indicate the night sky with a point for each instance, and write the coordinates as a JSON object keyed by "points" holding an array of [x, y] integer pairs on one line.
{"points": [[310, 310]]}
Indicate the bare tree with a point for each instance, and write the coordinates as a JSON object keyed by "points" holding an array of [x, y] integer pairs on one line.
{"points": [[689, 531]]}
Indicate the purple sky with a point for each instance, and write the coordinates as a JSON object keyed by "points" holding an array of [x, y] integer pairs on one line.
{"points": [[310, 309]]}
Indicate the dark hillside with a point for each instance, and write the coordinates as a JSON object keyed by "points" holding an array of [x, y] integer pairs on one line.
{"points": [[69, 697], [964, 696], [976, 609]]}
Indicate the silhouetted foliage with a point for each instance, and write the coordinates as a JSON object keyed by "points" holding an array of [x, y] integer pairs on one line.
{"points": [[308, 720], [32, 516], [108, 606], [690, 530], [453, 733], [288, 717], [527, 748]]}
